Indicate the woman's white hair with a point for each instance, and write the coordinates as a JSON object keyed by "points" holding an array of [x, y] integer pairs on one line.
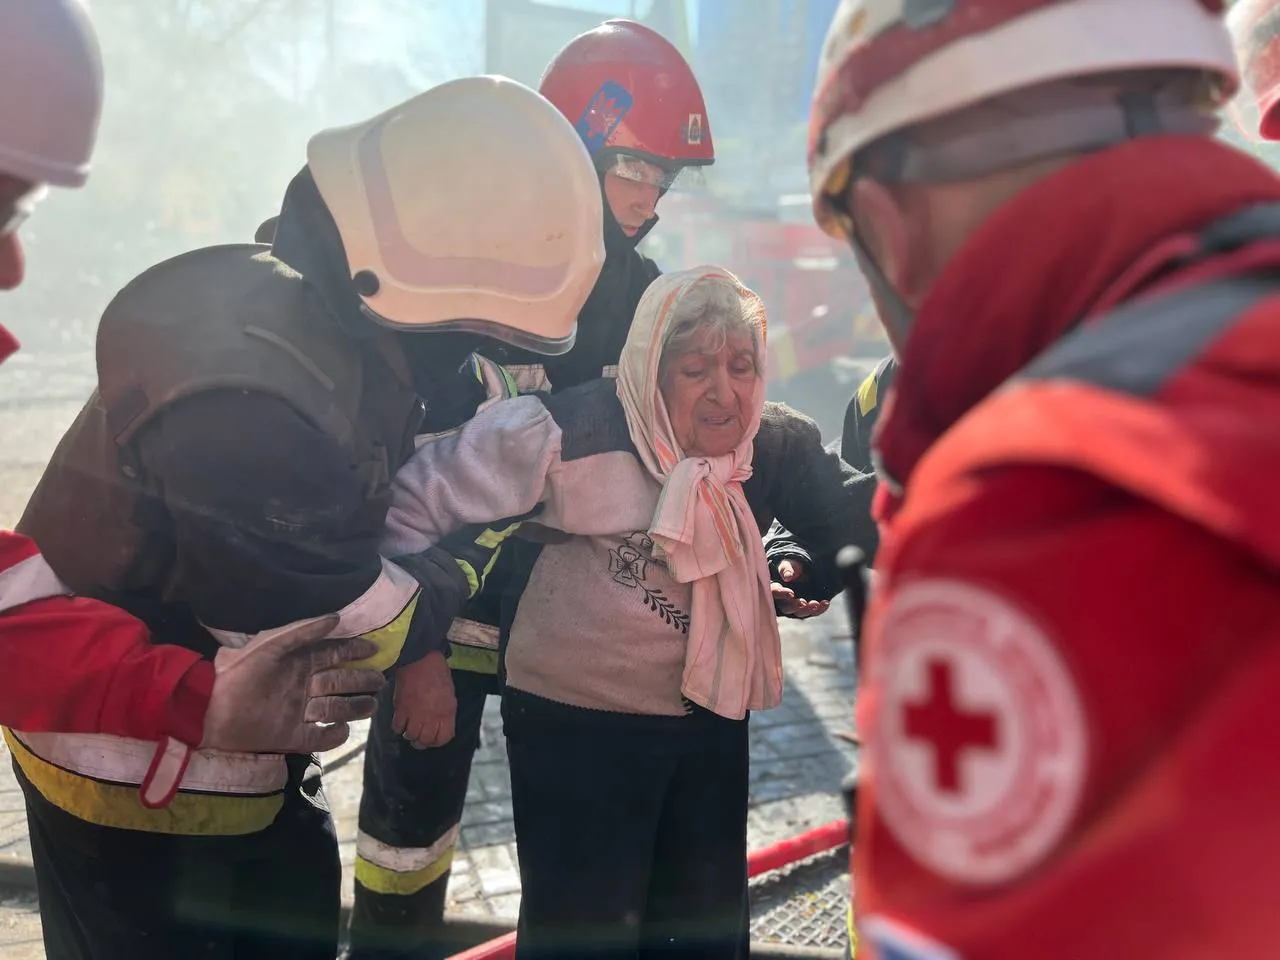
{"points": [[716, 305]]}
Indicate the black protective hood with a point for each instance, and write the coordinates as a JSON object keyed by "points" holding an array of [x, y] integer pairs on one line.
{"points": [[307, 239]]}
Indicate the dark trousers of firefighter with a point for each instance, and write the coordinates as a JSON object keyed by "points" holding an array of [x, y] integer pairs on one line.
{"points": [[108, 894], [631, 831], [412, 799]]}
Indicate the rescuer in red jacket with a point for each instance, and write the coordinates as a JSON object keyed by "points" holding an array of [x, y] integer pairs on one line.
{"points": [[1073, 650], [76, 665]]}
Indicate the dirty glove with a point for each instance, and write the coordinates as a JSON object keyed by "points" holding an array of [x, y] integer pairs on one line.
{"points": [[270, 694], [425, 704], [268, 697]]}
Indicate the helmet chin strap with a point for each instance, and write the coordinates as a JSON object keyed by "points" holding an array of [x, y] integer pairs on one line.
{"points": [[896, 316], [1066, 119]]}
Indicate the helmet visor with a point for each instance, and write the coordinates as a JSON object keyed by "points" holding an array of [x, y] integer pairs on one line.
{"points": [[639, 169], [521, 339]]}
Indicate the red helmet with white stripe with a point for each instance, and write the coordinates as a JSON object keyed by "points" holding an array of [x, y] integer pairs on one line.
{"points": [[890, 64]]}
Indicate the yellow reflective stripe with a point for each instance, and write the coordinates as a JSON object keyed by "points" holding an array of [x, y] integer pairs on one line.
{"points": [[389, 639], [853, 933], [381, 880], [513, 388], [401, 871], [488, 567], [491, 538], [473, 580], [118, 805], [473, 659], [498, 382], [868, 395]]}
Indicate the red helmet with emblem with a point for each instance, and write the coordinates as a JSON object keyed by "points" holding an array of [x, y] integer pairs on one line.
{"points": [[627, 89]]}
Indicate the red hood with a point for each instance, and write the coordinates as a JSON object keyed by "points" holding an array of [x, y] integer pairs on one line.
{"points": [[1073, 244]]}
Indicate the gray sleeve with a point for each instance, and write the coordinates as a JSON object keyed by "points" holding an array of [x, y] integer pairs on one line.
{"points": [[494, 466]]}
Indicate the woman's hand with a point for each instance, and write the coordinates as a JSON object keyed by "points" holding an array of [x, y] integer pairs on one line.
{"points": [[785, 601]]}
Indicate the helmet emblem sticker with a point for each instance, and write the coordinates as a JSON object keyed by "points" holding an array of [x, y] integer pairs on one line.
{"points": [[604, 111], [693, 133]]}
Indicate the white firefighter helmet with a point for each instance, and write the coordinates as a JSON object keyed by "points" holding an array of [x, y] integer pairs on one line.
{"points": [[891, 64], [473, 207], [50, 91]]}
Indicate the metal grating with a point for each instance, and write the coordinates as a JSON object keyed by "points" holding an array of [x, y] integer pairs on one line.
{"points": [[805, 904]]}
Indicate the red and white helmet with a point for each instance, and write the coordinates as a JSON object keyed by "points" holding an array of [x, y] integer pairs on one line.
{"points": [[891, 64], [627, 90], [1255, 30]]}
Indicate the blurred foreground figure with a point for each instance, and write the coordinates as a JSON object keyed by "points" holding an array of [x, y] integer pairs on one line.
{"points": [[1073, 653], [231, 475], [78, 665]]}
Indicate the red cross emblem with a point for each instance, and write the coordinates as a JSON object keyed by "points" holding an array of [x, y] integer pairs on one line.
{"points": [[978, 743], [949, 729]]}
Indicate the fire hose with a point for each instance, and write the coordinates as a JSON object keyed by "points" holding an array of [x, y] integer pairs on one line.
{"points": [[773, 857]]}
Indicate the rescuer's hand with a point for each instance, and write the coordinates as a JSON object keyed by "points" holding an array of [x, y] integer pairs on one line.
{"points": [[785, 601], [272, 694], [425, 705]]}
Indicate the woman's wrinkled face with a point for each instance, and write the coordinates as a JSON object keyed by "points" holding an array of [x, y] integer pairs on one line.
{"points": [[709, 391]]}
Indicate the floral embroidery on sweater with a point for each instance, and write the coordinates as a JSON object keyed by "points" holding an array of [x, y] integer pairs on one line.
{"points": [[629, 564]]}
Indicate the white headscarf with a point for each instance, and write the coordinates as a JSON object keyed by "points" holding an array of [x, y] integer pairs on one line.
{"points": [[703, 525]]}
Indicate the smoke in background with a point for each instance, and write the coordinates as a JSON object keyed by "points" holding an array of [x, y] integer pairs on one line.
{"points": [[208, 110]]}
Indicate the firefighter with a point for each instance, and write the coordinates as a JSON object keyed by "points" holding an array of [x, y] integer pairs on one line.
{"points": [[1073, 646], [79, 665], [638, 108], [863, 413], [231, 473]]}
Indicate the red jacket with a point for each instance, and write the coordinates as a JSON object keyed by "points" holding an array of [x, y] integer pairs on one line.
{"points": [[78, 666], [1073, 690]]}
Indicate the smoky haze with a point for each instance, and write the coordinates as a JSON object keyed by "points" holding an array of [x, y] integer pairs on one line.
{"points": [[210, 104]]}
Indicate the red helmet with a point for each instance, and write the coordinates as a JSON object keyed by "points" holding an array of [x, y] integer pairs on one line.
{"points": [[627, 88]]}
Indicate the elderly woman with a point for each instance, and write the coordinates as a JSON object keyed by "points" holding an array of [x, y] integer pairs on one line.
{"points": [[647, 629]]}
